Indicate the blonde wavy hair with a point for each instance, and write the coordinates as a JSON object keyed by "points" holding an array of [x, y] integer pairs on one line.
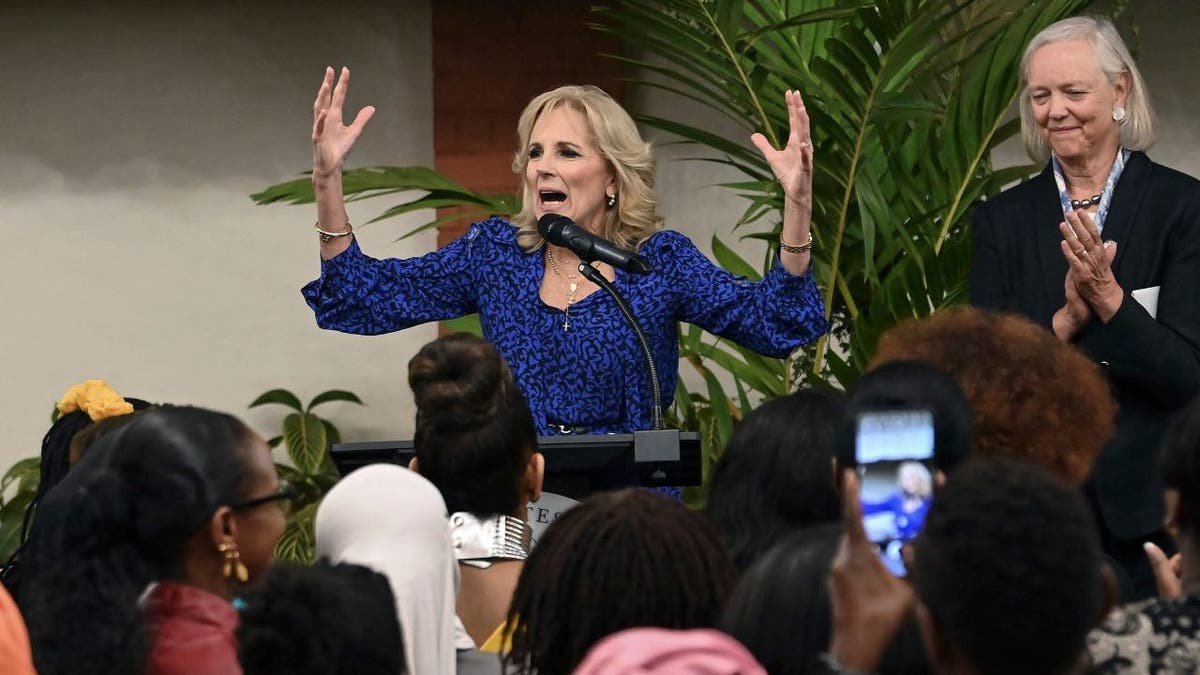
{"points": [[1113, 57], [631, 159]]}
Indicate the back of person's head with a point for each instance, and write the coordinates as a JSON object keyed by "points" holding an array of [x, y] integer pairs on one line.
{"points": [[1181, 471], [1034, 396], [912, 385], [1007, 571], [780, 607], [475, 437], [776, 474], [122, 519], [615, 561], [87, 412], [394, 521], [320, 620], [659, 651]]}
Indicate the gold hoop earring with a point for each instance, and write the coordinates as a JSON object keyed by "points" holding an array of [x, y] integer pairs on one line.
{"points": [[233, 564]]}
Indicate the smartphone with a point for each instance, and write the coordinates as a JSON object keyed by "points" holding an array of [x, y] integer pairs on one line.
{"points": [[894, 452]]}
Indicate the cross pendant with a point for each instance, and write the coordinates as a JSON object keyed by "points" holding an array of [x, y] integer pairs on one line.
{"points": [[566, 322]]}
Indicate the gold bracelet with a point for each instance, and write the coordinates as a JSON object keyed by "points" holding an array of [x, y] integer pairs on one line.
{"points": [[792, 248], [329, 236]]}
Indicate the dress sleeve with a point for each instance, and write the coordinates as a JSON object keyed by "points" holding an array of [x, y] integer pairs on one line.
{"points": [[773, 316], [359, 294]]}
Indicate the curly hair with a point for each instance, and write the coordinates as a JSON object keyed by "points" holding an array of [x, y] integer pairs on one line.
{"points": [[1034, 397], [614, 133], [320, 620], [775, 475], [474, 431], [1008, 565], [615, 561]]}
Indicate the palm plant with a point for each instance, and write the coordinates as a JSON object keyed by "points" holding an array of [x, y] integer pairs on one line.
{"points": [[907, 99]]}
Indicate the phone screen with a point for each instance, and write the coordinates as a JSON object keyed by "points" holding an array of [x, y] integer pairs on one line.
{"points": [[894, 451]]}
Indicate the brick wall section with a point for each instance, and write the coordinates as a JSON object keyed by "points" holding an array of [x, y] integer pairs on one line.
{"points": [[490, 57]]}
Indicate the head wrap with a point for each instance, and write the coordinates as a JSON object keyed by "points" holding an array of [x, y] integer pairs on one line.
{"points": [[394, 521], [659, 651]]}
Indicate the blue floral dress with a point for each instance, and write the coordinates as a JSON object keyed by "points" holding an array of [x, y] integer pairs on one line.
{"points": [[590, 378]]}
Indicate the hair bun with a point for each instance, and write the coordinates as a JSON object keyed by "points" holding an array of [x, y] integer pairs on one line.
{"points": [[457, 381]]}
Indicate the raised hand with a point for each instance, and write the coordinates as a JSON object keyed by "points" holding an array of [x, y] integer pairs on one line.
{"points": [[869, 604], [1090, 258], [793, 165], [332, 140]]}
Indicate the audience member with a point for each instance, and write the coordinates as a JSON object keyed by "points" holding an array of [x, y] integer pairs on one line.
{"points": [[912, 384], [780, 607], [475, 441], [1034, 397], [658, 651], [143, 545], [1006, 573], [615, 561], [776, 475], [1163, 635], [320, 620], [86, 412], [394, 521]]}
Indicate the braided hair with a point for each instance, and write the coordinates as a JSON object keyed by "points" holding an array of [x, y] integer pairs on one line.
{"points": [[615, 561], [64, 443], [474, 432], [118, 521]]}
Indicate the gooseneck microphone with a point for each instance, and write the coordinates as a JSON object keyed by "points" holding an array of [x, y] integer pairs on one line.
{"points": [[562, 231]]}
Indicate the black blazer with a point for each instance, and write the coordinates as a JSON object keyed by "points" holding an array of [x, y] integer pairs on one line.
{"points": [[1153, 365]]}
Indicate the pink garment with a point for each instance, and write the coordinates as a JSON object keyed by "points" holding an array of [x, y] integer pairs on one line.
{"points": [[191, 632], [658, 651]]}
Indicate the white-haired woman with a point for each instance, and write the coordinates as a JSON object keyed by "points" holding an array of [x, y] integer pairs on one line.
{"points": [[1103, 248], [579, 366]]}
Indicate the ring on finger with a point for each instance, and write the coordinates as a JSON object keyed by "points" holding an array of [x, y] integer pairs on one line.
{"points": [[1081, 252]]}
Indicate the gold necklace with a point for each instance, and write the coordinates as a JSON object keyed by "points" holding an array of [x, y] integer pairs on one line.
{"points": [[569, 287]]}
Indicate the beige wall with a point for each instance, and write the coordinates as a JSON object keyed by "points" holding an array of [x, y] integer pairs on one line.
{"points": [[131, 137]]}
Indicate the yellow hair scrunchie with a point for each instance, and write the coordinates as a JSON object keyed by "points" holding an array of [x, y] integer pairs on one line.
{"points": [[95, 398]]}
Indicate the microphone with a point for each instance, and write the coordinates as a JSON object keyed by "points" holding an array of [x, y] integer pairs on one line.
{"points": [[562, 231]]}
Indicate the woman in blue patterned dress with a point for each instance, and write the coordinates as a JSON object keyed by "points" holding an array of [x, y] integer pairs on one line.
{"points": [[577, 362]]}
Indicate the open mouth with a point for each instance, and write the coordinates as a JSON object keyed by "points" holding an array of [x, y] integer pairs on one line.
{"points": [[551, 198]]}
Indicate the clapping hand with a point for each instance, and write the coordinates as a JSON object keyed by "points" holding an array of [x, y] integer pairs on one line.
{"points": [[1090, 259], [793, 165], [332, 140]]}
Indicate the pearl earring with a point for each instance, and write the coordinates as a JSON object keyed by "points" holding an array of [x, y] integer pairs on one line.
{"points": [[1118, 113], [612, 201]]}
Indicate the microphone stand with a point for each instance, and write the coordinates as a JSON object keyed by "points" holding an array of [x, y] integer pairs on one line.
{"points": [[593, 275]]}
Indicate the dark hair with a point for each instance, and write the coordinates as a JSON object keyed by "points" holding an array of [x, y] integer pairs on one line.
{"points": [[1034, 397], [1008, 565], [780, 608], [615, 561], [320, 620], [912, 384], [474, 432], [64, 443], [777, 473], [118, 521], [1181, 466]]}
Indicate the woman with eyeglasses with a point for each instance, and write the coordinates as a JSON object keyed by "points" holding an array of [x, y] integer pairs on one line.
{"points": [[144, 546]]}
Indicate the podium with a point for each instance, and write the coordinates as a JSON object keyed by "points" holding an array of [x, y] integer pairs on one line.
{"points": [[576, 466]]}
